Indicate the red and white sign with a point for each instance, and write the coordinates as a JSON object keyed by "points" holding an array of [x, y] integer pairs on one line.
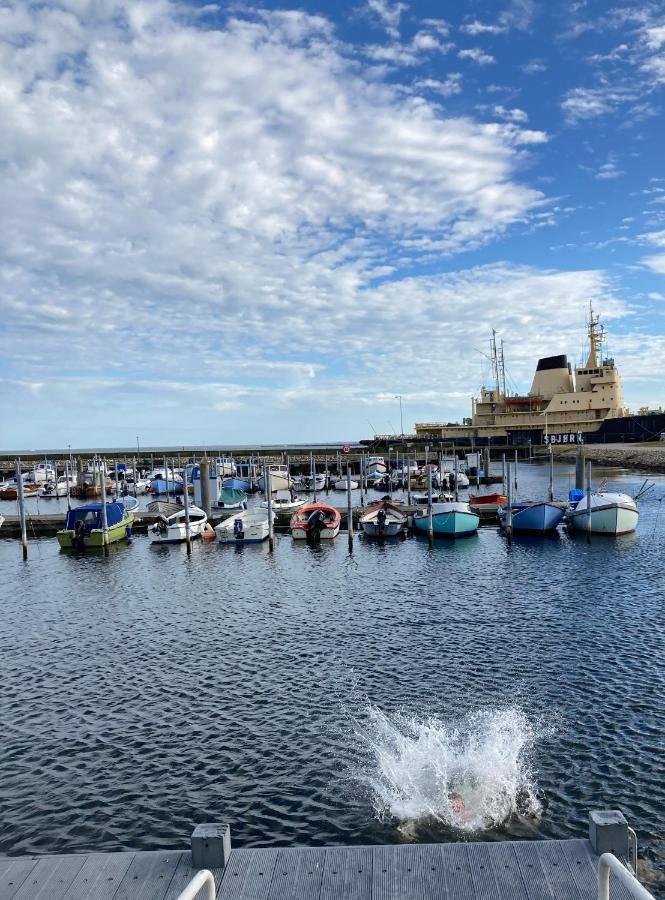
{"points": [[346, 449]]}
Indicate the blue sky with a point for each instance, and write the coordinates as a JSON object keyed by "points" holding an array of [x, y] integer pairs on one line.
{"points": [[233, 223]]}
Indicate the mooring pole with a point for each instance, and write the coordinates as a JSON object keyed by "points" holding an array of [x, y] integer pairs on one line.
{"points": [[360, 477], [516, 474], [430, 523], [551, 488], [271, 528], [503, 473], [509, 508], [105, 522], [166, 477], [21, 509], [69, 493], [188, 531], [588, 502], [204, 474], [327, 478], [349, 508], [579, 468], [456, 473], [478, 455], [408, 478], [312, 473]]}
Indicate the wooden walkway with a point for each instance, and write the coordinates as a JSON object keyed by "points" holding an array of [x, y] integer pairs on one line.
{"points": [[521, 870]]}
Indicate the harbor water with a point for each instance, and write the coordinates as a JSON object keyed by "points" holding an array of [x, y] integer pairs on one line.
{"points": [[312, 696]]}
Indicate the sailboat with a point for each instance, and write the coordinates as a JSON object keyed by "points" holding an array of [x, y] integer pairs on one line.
{"points": [[532, 516], [610, 512]]}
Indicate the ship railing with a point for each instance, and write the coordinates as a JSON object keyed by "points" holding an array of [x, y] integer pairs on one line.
{"points": [[607, 863], [202, 879]]}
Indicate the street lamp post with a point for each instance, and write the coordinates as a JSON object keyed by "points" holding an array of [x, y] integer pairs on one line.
{"points": [[401, 419]]}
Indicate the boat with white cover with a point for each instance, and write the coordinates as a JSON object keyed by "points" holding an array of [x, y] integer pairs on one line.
{"points": [[284, 505], [341, 485], [383, 520], [248, 527], [57, 488], [611, 513], [170, 526], [280, 480]]}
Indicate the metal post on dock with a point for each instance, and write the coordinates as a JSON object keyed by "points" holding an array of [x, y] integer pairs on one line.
{"points": [[69, 493], [486, 464], [360, 478], [509, 507], [349, 508], [430, 523], [204, 473], [267, 480], [588, 502], [188, 530], [516, 473], [551, 487], [166, 477], [503, 473], [408, 479], [312, 469], [105, 521], [456, 479], [21, 509], [478, 455], [135, 475]]}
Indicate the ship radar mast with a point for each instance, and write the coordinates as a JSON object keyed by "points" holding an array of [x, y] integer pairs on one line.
{"points": [[596, 338], [498, 365]]}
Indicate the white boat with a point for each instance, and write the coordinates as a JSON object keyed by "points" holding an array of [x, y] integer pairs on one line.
{"points": [[44, 471], [225, 466], [341, 485], [2, 519], [57, 488], [383, 520], [284, 505], [375, 465], [315, 522], [611, 513], [142, 485], [280, 480], [248, 527], [310, 484], [170, 526]]}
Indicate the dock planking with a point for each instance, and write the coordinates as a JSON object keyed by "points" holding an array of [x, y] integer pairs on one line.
{"points": [[510, 870]]}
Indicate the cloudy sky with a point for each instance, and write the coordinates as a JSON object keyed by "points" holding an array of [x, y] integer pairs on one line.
{"points": [[224, 222]]}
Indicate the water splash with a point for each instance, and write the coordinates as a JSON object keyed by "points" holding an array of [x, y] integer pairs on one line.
{"points": [[469, 776]]}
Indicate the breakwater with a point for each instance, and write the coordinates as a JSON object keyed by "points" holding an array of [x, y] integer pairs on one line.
{"points": [[645, 457]]}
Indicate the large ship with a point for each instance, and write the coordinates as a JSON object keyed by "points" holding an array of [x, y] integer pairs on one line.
{"points": [[565, 404]]}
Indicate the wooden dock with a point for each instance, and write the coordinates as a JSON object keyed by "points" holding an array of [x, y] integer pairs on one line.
{"points": [[514, 870]]}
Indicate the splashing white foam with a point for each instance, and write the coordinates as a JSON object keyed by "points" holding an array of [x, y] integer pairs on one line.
{"points": [[472, 775]]}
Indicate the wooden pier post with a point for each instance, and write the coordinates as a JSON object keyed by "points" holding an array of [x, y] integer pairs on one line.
{"points": [[504, 485], [166, 477], [105, 522], [551, 487], [486, 465], [312, 473], [509, 507], [579, 468], [360, 477], [430, 523], [69, 492], [267, 479], [135, 475], [21, 509], [327, 477], [188, 531], [408, 478], [516, 474], [456, 479], [588, 502], [349, 508], [204, 473]]}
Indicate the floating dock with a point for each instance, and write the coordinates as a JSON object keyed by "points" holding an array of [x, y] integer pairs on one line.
{"points": [[501, 870]]}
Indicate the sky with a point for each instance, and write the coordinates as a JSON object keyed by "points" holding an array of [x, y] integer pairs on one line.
{"points": [[227, 223]]}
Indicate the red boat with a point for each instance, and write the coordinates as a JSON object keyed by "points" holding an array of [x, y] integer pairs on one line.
{"points": [[315, 522], [487, 502]]}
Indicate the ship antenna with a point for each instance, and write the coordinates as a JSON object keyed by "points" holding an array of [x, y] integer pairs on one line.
{"points": [[502, 364], [595, 338]]}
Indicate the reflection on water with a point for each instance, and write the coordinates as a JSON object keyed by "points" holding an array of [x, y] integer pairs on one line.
{"points": [[148, 691]]}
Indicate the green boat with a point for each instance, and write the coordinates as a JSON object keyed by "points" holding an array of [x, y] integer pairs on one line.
{"points": [[84, 527]]}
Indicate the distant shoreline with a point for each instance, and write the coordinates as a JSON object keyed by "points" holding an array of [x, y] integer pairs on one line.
{"points": [[650, 457]]}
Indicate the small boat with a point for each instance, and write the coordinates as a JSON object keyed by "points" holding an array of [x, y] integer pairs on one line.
{"points": [[44, 471], [316, 483], [231, 500], [168, 483], [280, 480], [611, 513], [170, 526], [57, 488], [284, 505], [375, 465], [248, 527], [487, 502], [462, 479], [84, 527], [10, 490], [383, 483], [225, 466], [449, 519], [383, 520], [315, 522], [341, 485], [533, 517], [423, 499], [2, 519], [139, 487], [237, 484]]}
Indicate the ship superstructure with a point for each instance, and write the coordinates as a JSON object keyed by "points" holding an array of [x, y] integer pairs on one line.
{"points": [[561, 401]]}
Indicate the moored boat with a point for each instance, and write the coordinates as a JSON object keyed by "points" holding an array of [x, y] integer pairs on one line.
{"points": [[84, 524], [449, 519], [280, 480], [237, 484], [58, 488], [487, 502], [251, 526], [533, 517], [284, 505], [316, 522], [341, 485], [170, 527], [611, 513], [231, 500], [383, 520]]}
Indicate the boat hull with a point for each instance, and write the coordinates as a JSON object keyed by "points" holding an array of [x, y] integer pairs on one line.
{"points": [[177, 534], [120, 532], [159, 485], [237, 484], [253, 534], [537, 518], [390, 529], [451, 524], [277, 483], [326, 534], [611, 520]]}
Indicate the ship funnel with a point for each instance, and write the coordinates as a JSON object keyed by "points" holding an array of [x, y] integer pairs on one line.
{"points": [[552, 377]]}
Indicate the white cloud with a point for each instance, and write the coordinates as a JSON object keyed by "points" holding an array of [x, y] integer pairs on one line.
{"points": [[477, 27], [518, 116], [609, 170], [476, 55], [449, 87], [534, 66], [656, 262], [389, 14]]}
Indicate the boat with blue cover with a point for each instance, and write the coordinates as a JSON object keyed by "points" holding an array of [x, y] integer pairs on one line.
{"points": [[533, 517], [231, 500], [449, 519], [84, 525], [237, 484]]}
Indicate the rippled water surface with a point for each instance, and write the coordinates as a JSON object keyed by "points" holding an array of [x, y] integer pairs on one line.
{"points": [[312, 696]]}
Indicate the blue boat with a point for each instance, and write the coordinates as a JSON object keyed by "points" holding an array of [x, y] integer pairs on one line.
{"points": [[237, 484], [158, 486], [533, 517], [450, 519]]}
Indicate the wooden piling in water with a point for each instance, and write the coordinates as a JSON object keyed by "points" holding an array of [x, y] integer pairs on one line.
{"points": [[267, 480], [349, 509], [588, 502], [105, 522], [188, 532], [509, 507], [21, 509]]}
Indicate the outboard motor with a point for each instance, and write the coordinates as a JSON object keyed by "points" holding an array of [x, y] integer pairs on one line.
{"points": [[316, 522], [381, 521], [238, 529], [79, 535]]}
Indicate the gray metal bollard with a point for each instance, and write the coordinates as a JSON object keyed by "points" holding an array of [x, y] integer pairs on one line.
{"points": [[608, 832], [211, 846]]}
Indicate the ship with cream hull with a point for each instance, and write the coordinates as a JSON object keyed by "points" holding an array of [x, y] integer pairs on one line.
{"points": [[564, 404]]}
